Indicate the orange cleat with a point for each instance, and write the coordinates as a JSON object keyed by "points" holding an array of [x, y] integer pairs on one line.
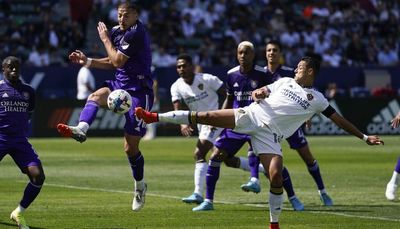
{"points": [[274, 225], [71, 132], [148, 117]]}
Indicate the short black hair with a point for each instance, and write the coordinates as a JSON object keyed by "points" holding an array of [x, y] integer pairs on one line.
{"points": [[313, 63], [131, 5], [185, 56], [12, 59], [276, 43]]}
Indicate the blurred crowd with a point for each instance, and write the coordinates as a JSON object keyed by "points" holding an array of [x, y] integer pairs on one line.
{"points": [[339, 32]]}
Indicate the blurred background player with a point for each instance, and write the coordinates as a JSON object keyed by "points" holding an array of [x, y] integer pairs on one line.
{"points": [[394, 182], [297, 141], [129, 52], [18, 104], [199, 91], [85, 83]]}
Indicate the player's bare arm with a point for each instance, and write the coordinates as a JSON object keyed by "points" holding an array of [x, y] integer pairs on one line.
{"points": [[117, 59], [396, 121], [351, 129], [78, 57]]}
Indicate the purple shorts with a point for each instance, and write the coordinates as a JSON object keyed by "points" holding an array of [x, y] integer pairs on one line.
{"points": [[140, 98], [21, 152], [231, 142], [297, 140]]}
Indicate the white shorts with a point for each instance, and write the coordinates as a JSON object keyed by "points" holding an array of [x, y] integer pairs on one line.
{"points": [[208, 133], [263, 140]]}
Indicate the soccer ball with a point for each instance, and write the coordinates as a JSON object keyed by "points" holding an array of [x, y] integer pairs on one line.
{"points": [[119, 101]]}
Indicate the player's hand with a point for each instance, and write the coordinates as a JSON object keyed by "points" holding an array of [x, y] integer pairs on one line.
{"points": [[396, 121], [78, 57], [186, 130], [103, 31], [374, 140], [260, 94]]}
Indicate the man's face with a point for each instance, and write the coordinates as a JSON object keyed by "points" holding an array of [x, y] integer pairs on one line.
{"points": [[245, 55], [272, 53], [126, 17], [301, 70], [11, 70], [184, 69]]}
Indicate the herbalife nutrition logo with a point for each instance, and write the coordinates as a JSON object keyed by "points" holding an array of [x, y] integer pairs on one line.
{"points": [[323, 125], [381, 122]]}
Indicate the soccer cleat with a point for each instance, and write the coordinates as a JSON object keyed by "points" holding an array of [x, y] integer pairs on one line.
{"points": [[391, 191], [148, 117], [205, 206], [18, 217], [251, 186], [296, 204], [71, 132], [138, 199], [274, 226], [326, 199], [194, 198]]}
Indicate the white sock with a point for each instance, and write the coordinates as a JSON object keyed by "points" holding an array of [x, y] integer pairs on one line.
{"points": [[395, 178], [177, 117], [84, 126], [200, 177], [20, 209], [139, 185], [261, 168], [275, 206], [321, 191], [255, 179], [244, 163]]}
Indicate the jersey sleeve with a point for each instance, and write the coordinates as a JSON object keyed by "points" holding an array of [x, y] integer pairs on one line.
{"points": [[175, 95], [275, 85], [322, 104], [214, 82], [131, 41]]}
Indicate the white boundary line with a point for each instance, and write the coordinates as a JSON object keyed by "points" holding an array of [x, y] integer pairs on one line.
{"points": [[222, 202]]}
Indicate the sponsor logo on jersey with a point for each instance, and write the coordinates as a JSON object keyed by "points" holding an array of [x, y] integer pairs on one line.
{"points": [[5, 95], [310, 97], [201, 86]]}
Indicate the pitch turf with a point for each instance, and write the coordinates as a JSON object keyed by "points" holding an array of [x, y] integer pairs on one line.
{"points": [[89, 186]]}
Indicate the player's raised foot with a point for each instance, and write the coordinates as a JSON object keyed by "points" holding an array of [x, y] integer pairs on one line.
{"points": [[251, 186], [71, 132], [138, 198], [274, 226], [326, 199], [296, 204], [148, 117], [391, 191], [194, 198], [18, 217], [205, 206]]}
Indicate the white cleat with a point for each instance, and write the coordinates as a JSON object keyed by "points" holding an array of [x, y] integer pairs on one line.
{"points": [[391, 191], [18, 217], [138, 199]]}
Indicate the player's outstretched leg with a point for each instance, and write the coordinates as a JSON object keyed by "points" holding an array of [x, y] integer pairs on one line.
{"points": [[393, 184], [71, 132], [18, 217], [148, 117]]}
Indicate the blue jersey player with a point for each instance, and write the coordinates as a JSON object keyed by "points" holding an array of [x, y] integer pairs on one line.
{"points": [[129, 52], [17, 102], [297, 141]]}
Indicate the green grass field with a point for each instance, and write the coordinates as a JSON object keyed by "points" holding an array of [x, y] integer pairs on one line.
{"points": [[90, 186]]}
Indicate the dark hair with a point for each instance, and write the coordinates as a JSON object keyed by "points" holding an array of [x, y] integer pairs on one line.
{"points": [[276, 43], [312, 63], [12, 59], [185, 56], [130, 5]]}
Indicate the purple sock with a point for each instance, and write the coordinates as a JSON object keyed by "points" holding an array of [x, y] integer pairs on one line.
{"points": [[137, 166], [315, 173], [287, 183], [254, 161], [30, 194], [397, 168], [212, 178], [89, 112]]}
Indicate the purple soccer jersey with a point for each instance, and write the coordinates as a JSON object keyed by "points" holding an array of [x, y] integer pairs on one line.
{"points": [[240, 86], [135, 76], [297, 140], [16, 106]]}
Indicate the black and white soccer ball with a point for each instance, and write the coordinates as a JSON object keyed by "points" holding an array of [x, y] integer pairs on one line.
{"points": [[119, 101]]}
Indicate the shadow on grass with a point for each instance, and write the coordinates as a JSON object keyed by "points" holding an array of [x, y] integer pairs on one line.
{"points": [[13, 225]]}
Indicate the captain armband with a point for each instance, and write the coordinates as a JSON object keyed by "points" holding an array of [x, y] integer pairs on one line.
{"points": [[329, 111]]}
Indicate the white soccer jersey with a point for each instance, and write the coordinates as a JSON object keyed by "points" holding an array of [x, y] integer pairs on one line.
{"points": [[288, 106], [201, 95]]}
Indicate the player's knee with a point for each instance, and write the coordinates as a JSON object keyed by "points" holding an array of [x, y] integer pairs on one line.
{"points": [[37, 178], [232, 162], [218, 156], [199, 156]]}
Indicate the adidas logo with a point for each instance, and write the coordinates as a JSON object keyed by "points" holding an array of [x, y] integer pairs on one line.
{"points": [[5, 95], [381, 122], [236, 85], [323, 125]]}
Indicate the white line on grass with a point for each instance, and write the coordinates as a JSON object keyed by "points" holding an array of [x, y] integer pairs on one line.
{"points": [[222, 202]]}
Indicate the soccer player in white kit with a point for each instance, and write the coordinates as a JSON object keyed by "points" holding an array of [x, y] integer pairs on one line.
{"points": [[199, 91], [280, 109]]}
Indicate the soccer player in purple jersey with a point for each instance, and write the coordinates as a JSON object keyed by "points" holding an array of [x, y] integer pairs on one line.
{"points": [[298, 140], [394, 182], [128, 49], [17, 103], [279, 110]]}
